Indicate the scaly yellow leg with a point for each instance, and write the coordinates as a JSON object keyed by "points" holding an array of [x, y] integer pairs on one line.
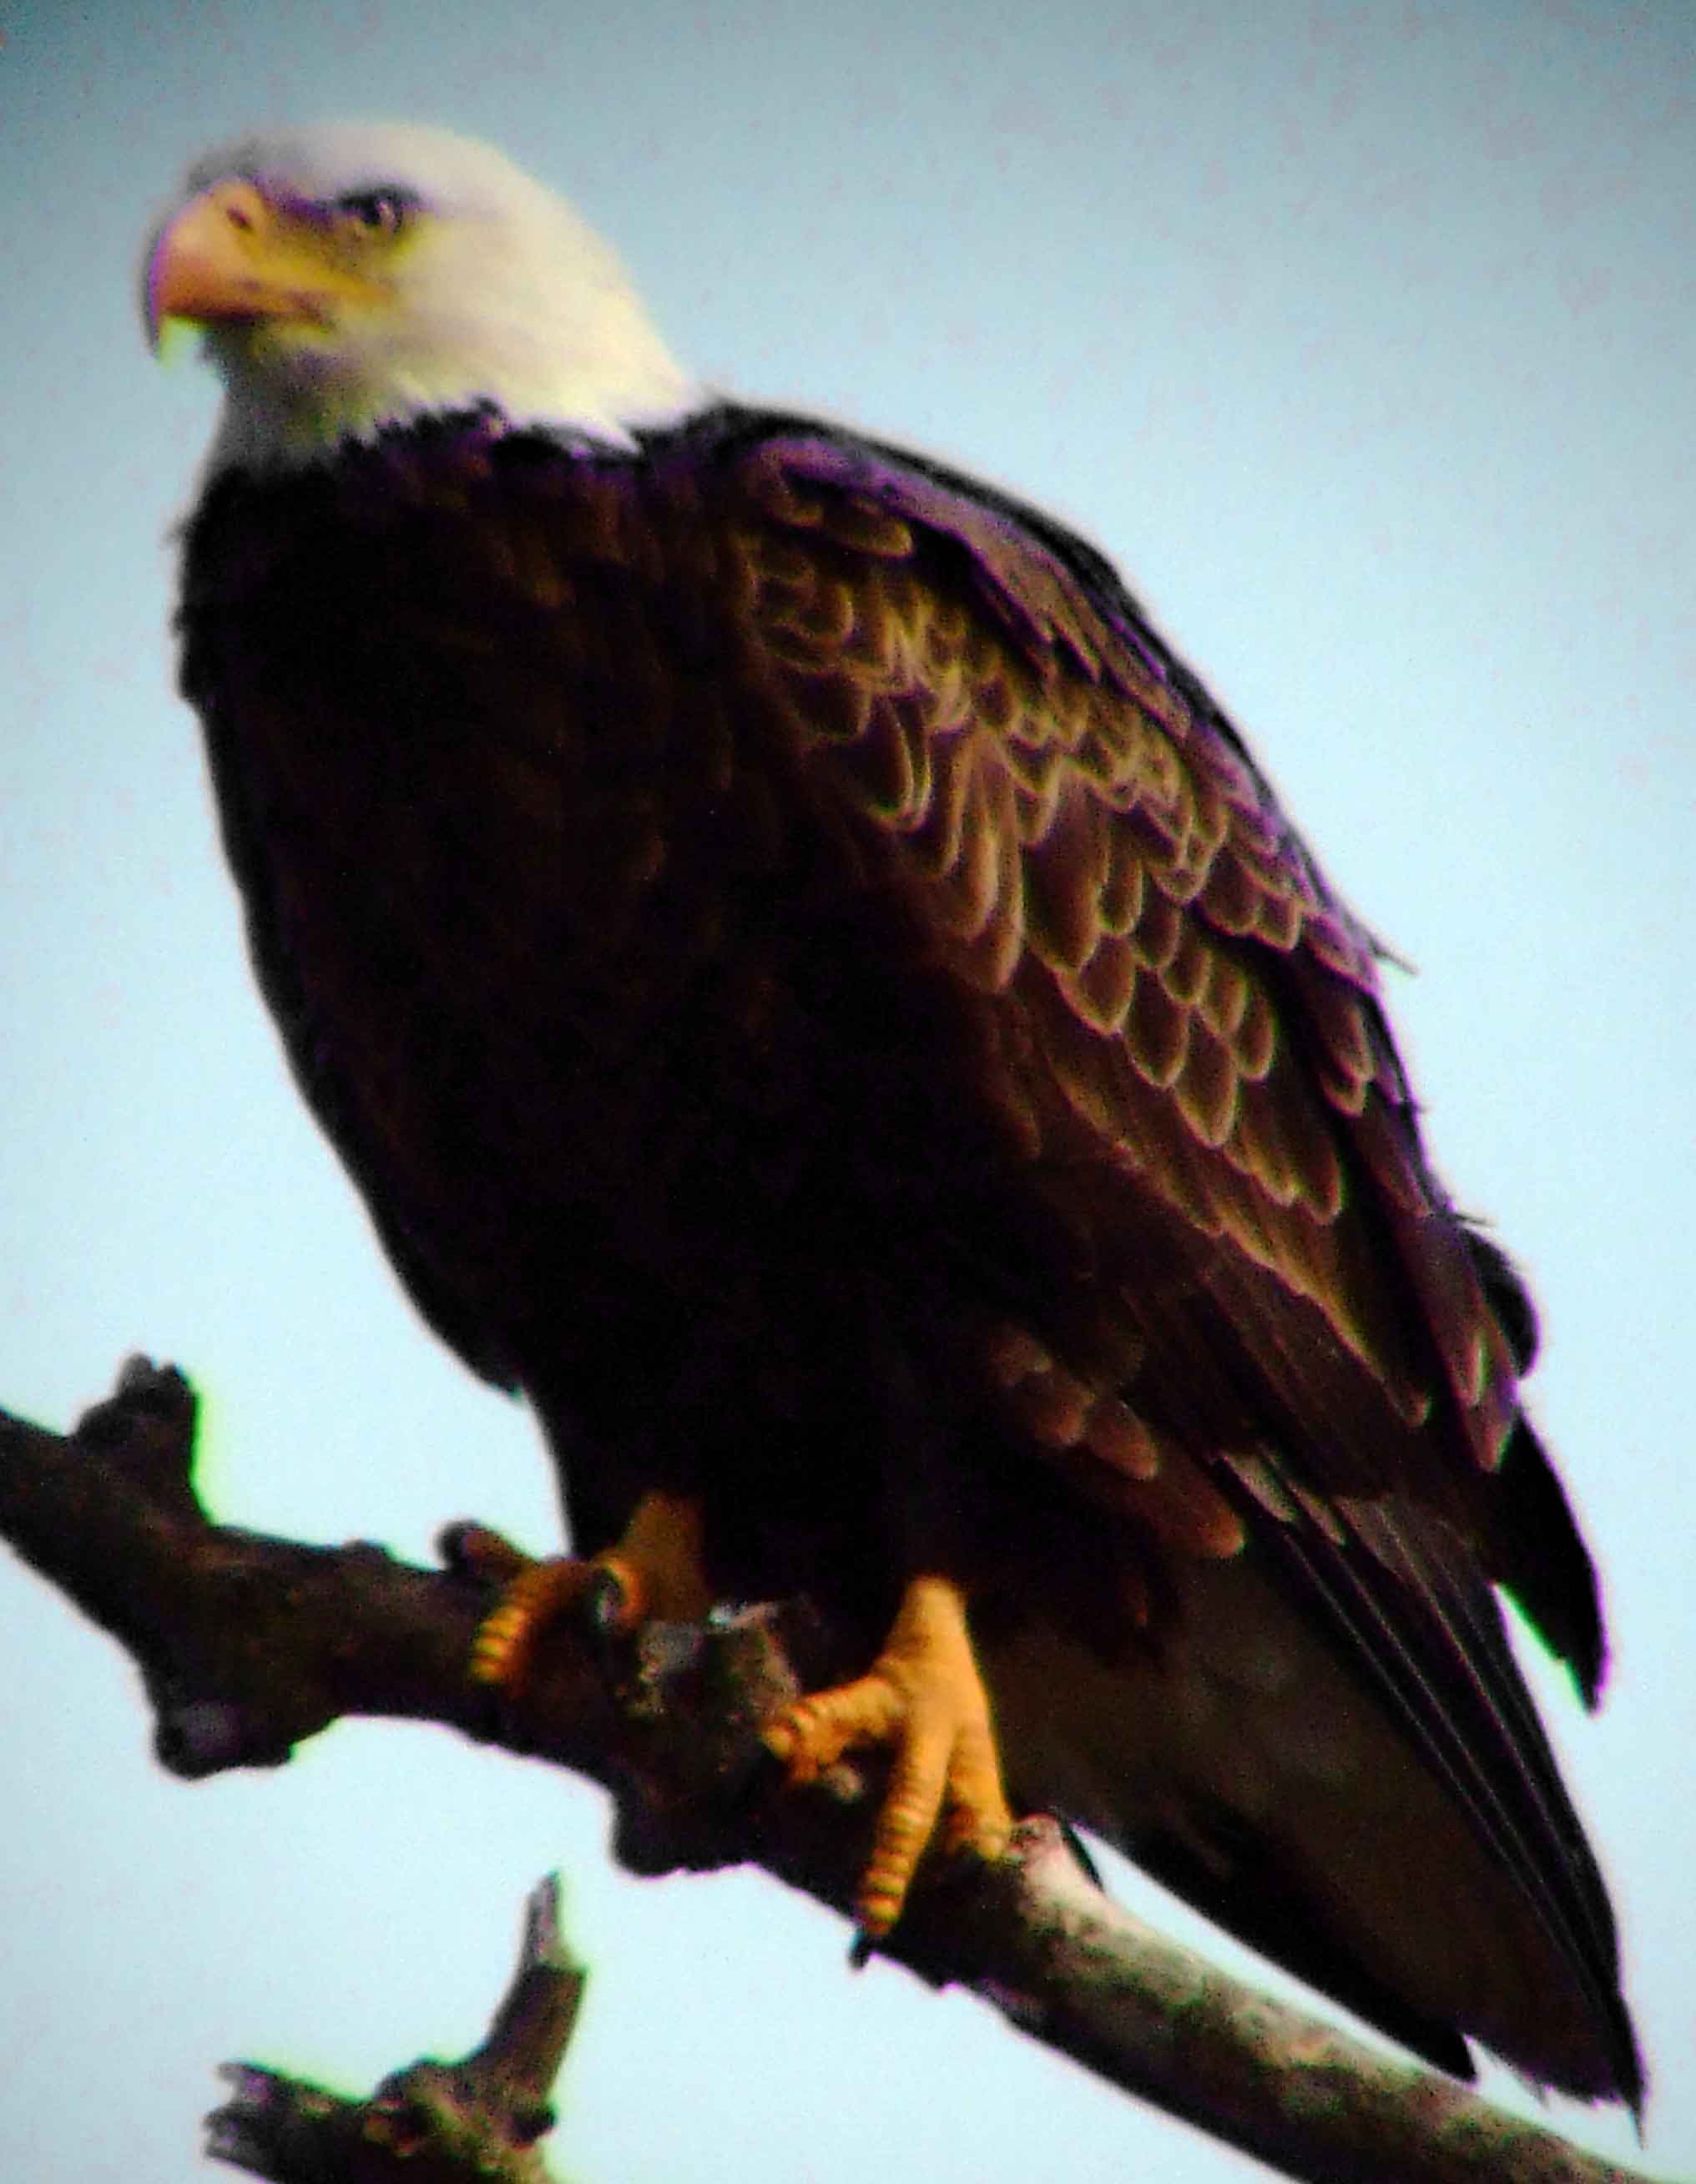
{"points": [[655, 1571], [924, 1694]]}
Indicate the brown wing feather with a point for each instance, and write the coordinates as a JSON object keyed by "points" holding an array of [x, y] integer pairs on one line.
{"points": [[1085, 837]]}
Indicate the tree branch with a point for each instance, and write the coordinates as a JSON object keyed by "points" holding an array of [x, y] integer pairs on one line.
{"points": [[475, 2121], [248, 1645]]}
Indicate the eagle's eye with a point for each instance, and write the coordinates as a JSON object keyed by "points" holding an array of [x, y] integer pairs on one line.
{"points": [[375, 212]]}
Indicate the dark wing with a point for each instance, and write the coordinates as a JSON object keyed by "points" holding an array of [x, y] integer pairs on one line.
{"points": [[1292, 1331], [1082, 833]]}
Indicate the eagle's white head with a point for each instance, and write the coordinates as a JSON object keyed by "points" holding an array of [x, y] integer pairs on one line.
{"points": [[355, 275]]}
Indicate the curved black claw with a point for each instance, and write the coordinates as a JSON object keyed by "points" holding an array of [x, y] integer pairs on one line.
{"points": [[609, 1603]]}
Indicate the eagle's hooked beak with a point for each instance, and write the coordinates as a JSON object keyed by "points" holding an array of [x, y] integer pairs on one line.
{"points": [[231, 255]]}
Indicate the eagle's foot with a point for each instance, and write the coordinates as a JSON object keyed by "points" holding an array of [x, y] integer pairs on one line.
{"points": [[653, 1571], [537, 1595], [923, 1695]]}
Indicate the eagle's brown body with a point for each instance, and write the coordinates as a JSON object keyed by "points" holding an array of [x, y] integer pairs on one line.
{"points": [[814, 995]]}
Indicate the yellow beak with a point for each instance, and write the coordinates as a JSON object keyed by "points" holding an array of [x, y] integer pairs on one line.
{"points": [[231, 254]]}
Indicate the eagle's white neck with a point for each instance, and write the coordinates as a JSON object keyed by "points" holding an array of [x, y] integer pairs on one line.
{"points": [[283, 414]]}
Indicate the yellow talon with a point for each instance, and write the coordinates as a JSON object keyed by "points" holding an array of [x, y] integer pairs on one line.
{"points": [[654, 1570], [924, 1694], [540, 1593]]}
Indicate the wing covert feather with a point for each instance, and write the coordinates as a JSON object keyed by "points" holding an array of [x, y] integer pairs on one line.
{"points": [[1082, 833]]}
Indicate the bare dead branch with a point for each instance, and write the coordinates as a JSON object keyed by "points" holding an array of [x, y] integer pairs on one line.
{"points": [[477, 2121], [248, 1645]]}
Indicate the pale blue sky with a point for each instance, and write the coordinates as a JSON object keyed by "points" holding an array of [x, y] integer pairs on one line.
{"points": [[1364, 338]]}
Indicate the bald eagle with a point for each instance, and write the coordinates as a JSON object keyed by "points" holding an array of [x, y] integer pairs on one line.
{"points": [[819, 998]]}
